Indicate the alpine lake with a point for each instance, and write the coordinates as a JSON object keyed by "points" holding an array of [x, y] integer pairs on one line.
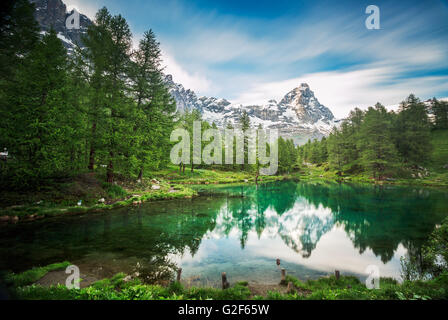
{"points": [[313, 228]]}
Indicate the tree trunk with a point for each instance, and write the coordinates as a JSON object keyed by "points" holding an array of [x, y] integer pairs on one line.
{"points": [[140, 174], [92, 149], [192, 167], [183, 168], [110, 170]]}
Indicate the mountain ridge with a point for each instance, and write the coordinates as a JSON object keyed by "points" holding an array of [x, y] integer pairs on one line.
{"points": [[298, 115]]}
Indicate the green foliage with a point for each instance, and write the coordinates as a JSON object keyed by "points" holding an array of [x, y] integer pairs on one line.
{"points": [[30, 276], [432, 260], [440, 110], [411, 132], [114, 191], [103, 106], [287, 156], [376, 142], [118, 289]]}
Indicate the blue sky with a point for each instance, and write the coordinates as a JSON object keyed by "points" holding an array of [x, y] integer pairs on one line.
{"points": [[251, 51]]}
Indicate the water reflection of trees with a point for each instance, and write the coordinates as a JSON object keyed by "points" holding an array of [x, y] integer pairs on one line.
{"points": [[147, 234], [270, 210], [381, 217], [299, 213], [374, 217]]}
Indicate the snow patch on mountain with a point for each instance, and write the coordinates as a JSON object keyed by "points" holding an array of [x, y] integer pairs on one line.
{"points": [[298, 116]]}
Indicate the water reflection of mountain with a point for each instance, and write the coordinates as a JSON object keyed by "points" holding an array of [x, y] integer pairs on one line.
{"points": [[379, 218], [274, 210], [299, 213]]}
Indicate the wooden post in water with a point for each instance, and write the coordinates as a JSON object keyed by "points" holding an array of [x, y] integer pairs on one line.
{"points": [[278, 262], [225, 284], [337, 274], [179, 274], [283, 281]]}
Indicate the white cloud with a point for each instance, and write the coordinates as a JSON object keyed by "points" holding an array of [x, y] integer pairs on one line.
{"points": [[246, 60], [342, 91], [194, 81]]}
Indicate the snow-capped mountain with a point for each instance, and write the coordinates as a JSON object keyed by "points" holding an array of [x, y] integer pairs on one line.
{"points": [[299, 115]]}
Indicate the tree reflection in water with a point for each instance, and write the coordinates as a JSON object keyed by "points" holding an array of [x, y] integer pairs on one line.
{"points": [[300, 214]]}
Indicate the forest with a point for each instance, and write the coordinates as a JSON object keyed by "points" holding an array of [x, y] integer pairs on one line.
{"points": [[89, 129], [105, 107], [379, 142]]}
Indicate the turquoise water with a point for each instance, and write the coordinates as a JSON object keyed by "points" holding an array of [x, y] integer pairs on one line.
{"points": [[313, 229]]}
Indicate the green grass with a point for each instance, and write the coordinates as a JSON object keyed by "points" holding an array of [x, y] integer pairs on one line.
{"points": [[200, 176], [33, 275], [438, 175], [327, 288], [114, 191], [116, 288], [350, 288], [440, 149], [63, 198]]}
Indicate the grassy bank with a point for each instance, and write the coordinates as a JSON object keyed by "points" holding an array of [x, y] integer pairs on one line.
{"points": [[312, 172], [433, 173], [327, 288], [87, 193], [106, 197]]}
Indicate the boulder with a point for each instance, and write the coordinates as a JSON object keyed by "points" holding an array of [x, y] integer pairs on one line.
{"points": [[102, 200], [445, 166], [155, 187]]}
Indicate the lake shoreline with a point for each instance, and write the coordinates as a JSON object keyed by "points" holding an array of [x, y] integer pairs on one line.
{"points": [[165, 190], [186, 190], [48, 283]]}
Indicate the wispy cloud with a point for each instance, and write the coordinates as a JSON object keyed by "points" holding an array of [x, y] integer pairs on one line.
{"points": [[250, 57], [345, 90], [193, 81]]}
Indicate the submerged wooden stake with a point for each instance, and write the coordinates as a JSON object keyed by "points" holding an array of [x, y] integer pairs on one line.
{"points": [[278, 262], [337, 274], [283, 274], [179, 274], [225, 284]]}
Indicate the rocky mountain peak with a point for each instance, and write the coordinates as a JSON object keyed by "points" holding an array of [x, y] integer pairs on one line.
{"points": [[306, 106], [53, 14], [299, 115]]}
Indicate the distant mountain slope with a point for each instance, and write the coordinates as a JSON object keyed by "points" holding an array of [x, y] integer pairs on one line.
{"points": [[53, 13], [299, 115]]}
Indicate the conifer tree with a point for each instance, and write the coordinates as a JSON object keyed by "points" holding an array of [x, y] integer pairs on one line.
{"points": [[378, 153], [155, 107], [412, 131], [440, 109], [36, 100]]}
